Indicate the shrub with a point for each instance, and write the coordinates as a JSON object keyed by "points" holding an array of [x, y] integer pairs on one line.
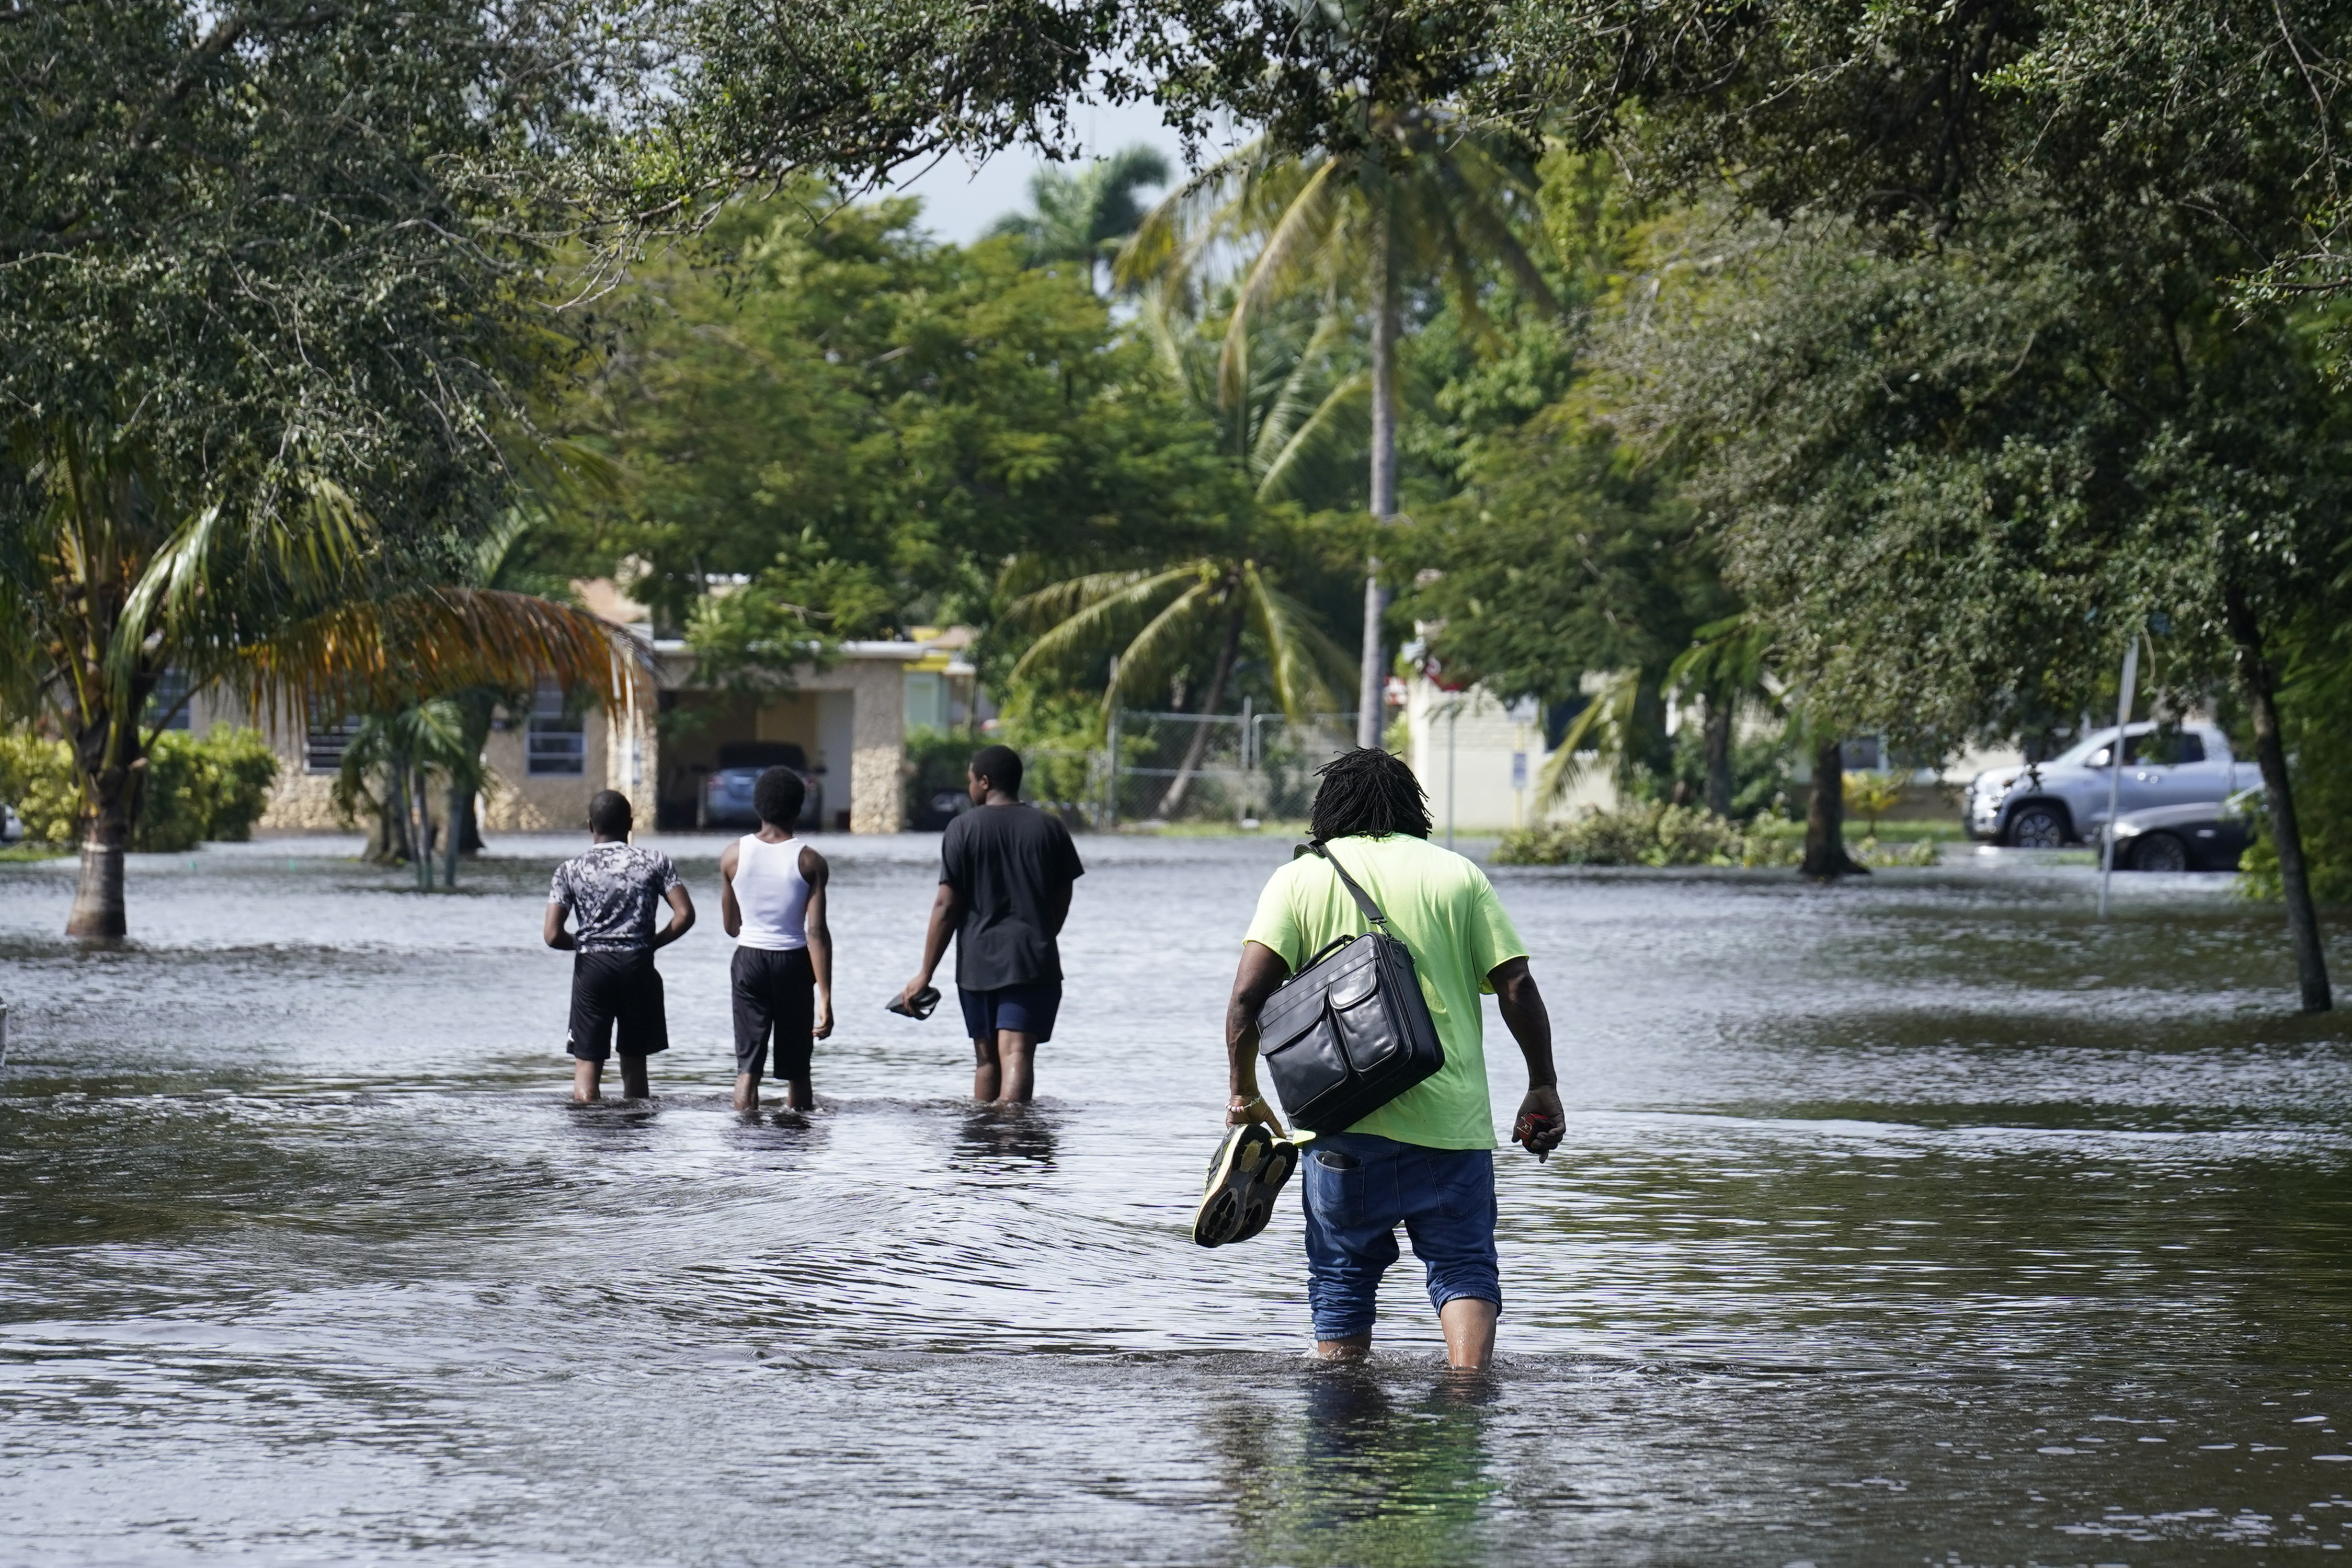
{"points": [[1638, 835], [36, 777], [1655, 835], [216, 788]]}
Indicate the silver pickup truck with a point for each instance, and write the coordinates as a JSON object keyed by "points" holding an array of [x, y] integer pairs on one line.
{"points": [[2043, 805]]}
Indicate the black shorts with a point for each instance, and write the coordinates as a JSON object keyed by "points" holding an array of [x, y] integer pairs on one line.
{"points": [[775, 992], [622, 989]]}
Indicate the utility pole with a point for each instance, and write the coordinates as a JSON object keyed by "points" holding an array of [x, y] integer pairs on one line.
{"points": [[2116, 768]]}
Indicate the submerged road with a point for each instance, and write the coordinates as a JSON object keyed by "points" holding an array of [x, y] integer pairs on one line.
{"points": [[1921, 1218]]}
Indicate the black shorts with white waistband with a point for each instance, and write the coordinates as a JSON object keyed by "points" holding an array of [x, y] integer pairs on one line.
{"points": [[775, 992], [622, 989]]}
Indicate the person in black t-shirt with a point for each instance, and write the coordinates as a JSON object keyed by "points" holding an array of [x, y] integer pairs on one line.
{"points": [[1005, 876]]}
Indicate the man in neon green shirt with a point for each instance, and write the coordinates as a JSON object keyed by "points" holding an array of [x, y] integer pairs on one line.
{"points": [[1424, 1160]]}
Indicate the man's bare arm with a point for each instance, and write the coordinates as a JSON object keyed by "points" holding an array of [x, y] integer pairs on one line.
{"points": [[681, 916], [1540, 1124], [1261, 971], [557, 937], [947, 909], [730, 914], [819, 876]]}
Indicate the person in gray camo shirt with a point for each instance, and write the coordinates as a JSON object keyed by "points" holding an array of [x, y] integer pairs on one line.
{"points": [[613, 891]]}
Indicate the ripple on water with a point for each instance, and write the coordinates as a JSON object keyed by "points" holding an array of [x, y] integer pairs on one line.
{"points": [[1921, 1217]]}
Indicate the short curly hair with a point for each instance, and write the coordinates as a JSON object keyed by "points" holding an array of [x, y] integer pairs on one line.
{"points": [[1368, 793], [778, 796]]}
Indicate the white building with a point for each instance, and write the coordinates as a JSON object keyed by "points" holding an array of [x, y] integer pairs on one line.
{"points": [[1482, 761]]}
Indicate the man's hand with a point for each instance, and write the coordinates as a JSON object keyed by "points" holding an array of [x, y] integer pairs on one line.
{"points": [[906, 996], [824, 1018], [1241, 1113], [1541, 1124]]}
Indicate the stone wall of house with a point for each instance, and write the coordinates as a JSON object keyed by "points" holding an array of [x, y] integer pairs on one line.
{"points": [[878, 768]]}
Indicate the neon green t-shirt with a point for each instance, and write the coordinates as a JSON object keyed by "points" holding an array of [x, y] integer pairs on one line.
{"points": [[1443, 908]]}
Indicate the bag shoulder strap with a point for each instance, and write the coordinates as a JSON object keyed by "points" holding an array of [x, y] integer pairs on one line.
{"points": [[1363, 900]]}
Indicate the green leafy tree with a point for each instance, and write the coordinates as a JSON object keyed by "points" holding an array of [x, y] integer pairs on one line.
{"points": [[267, 320], [849, 428]]}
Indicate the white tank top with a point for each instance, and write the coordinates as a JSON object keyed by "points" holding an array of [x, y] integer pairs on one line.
{"points": [[772, 892]]}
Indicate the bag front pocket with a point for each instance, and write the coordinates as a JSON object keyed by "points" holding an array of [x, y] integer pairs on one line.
{"points": [[1309, 1065], [1368, 1033]]}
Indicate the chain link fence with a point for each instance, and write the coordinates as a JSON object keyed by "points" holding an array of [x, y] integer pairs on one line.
{"points": [[1244, 768]]}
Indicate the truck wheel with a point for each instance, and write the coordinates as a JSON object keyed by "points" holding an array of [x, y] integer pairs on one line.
{"points": [[2160, 852], [2037, 828]]}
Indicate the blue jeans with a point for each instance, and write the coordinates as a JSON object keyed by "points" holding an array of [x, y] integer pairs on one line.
{"points": [[1358, 1188]]}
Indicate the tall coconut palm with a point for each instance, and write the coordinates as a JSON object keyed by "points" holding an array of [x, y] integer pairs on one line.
{"points": [[1088, 215], [1431, 198], [108, 579], [1154, 621]]}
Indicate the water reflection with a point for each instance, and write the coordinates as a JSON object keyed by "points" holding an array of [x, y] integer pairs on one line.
{"points": [[1377, 1466], [1920, 1219], [991, 1135]]}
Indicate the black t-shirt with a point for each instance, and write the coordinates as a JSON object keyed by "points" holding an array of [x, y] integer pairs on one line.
{"points": [[1004, 861]]}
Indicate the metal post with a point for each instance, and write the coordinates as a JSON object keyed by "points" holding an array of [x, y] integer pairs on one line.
{"points": [[1111, 762], [1452, 721], [1242, 795], [2116, 771]]}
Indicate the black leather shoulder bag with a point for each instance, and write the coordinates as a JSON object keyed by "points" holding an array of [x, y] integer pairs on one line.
{"points": [[1351, 1031]]}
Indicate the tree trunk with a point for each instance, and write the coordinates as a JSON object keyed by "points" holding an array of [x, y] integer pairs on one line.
{"points": [[420, 795], [1200, 743], [1372, 685], [2259, 683], [460, 809], [396, 847], [1826, 855], [466, 826], [110, 766], [97, 906], [1717, 738]]}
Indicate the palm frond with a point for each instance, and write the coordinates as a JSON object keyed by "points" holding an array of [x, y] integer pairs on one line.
{"points": [[1599, 735], [1154, 648], [1322, 425], [1304, 659], [365, 656], [1087, 615], [1298, 235]]}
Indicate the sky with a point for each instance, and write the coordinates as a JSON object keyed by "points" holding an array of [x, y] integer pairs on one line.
{"points": [[960, 201]]}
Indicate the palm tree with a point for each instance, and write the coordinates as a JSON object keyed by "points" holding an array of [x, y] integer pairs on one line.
{"points": [[297, 603], [1288, 406], [1088, 215], [1150, 620], [388, 769], [1431, 198]]}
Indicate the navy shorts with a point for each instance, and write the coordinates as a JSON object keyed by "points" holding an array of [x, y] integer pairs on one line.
{"points": [[1358, 1188], [1025, 1009]]}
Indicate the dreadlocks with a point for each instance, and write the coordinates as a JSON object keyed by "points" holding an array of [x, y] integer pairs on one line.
{"points": [[1367, 793]]}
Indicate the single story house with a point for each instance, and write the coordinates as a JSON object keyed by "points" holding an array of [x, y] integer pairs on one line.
{"points": [[850, 719]]}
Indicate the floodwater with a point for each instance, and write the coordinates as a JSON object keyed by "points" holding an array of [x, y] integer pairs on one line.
{"points": [[1915, 1220]]}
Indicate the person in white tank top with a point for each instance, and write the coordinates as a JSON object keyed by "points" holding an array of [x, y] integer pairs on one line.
{"points": [[771, 898]]}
